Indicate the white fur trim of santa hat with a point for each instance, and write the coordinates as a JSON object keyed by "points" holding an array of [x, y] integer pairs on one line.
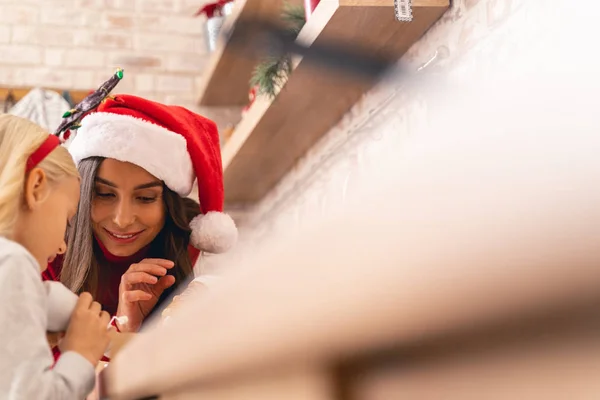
{"points": [[164, 153], [213, 232]]}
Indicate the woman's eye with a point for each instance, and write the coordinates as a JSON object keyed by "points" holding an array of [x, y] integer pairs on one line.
{"points": [[104, 195], [144, 199]]}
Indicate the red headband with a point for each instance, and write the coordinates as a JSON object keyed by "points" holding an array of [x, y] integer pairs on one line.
{"points": [[42, 152]]}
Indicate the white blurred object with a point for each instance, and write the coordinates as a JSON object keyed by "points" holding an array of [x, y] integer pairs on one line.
{"points": [[490, 212], [44, 107], [121, 320], [61, 303], [207, 280]]}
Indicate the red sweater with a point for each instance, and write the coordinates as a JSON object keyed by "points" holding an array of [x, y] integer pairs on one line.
{"points": [[110, 271]]}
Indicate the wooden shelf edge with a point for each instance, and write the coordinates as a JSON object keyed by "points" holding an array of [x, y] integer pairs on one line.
{"points": [[247, 157], [309, 33], [327, 8], [225, 81], [317, 22], [390, 3], [244, 130]]}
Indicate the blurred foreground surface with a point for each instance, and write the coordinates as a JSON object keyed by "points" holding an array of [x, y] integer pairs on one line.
{"points": [[469, 270]]}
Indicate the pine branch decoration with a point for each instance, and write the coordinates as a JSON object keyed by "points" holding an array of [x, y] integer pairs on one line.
{"points": [[294, 17], [271, 74]]}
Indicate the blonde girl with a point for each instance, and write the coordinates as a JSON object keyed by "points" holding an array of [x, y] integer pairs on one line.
{"points": [[39, 194]]}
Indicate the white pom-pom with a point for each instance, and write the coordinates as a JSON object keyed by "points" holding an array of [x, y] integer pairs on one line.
{"points": [[213, 232]]}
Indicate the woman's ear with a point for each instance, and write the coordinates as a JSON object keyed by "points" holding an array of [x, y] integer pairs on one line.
{"points": [[36, 188]]}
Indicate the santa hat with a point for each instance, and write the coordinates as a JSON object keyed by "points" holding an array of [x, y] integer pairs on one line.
{"points": [[173, 144]]}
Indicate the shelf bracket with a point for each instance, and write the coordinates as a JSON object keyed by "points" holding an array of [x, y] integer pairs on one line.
{"points": [[403, 10]]}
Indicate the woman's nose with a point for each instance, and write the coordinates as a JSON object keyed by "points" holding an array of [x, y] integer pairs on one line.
{"points": [[123, 214]]}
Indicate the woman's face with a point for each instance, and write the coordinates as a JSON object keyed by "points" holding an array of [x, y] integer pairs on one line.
{"points": [[127, 207]]}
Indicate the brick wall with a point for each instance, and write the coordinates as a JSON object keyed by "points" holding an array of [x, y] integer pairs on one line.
{"points": [[77, 44]]}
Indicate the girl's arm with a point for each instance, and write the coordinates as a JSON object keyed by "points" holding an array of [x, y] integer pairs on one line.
{"points": [[26, 362]]}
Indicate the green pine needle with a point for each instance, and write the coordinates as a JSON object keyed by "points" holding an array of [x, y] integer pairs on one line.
{"points": [[294, 16], [271, 74]]}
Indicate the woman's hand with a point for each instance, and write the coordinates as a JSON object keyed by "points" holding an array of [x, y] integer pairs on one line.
{"points": [[140, 289]]}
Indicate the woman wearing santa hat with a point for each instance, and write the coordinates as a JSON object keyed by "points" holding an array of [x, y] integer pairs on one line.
{"points": [[136, 236]]}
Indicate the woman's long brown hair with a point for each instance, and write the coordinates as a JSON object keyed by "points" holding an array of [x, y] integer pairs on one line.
{"points": [[80, 267]]}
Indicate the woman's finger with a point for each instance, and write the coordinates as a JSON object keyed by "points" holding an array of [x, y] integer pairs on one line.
{"points": [[158, 261], [162, 284], [136, 295], [153, 269], [132, 278], [165, 282]]}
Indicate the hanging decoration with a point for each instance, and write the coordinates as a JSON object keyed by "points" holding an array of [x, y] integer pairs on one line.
{"points": [[403, 10], [215, 16], [251, 98], [271, 74]]}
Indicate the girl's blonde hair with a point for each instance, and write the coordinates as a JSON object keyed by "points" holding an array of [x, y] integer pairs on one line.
{"points": [[19, 138]]}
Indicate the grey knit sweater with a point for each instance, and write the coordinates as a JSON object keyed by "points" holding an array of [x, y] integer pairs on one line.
{"points": [[26, 361]]}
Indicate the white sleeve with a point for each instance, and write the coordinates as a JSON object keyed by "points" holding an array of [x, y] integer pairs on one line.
{"points": [[26, 361]]}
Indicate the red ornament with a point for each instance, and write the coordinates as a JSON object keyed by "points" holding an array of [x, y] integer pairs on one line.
{"points": [[251, 97], [212, 9], [309, 7]]}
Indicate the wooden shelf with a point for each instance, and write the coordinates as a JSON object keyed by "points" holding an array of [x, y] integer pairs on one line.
{"points": [[272, 136], [225, 81]]}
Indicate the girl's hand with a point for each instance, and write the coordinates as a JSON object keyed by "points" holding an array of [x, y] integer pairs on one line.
{"points": [[54, 338], [87, 333], [141, 287]]}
